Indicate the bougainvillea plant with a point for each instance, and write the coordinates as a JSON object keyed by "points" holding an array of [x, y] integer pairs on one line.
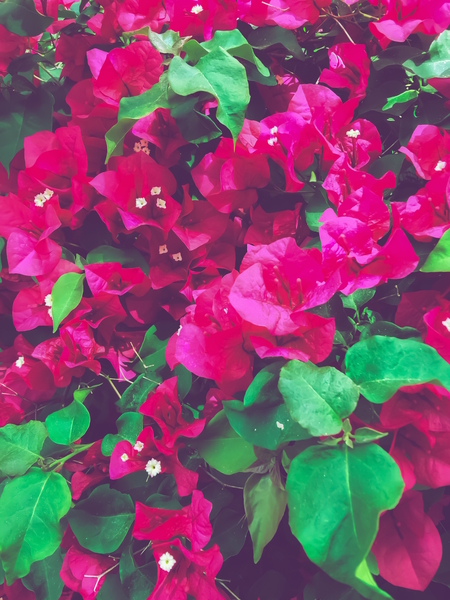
{"points": [[225, 299]]}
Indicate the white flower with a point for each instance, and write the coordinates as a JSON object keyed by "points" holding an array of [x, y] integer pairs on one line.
{"points": [[160, 203], [139, 446], [163, 249], [166, 562], [446, 324], [155, 191], [48, 300], [41, 199], [280, 425], [353, 133], [177, 257], [141, 202], [20, 362], [441, 164], [143, 143], [48, 193], [153, 468], [272, 141], [196, 10], [124, 457], [137, 147], [274, 130]]}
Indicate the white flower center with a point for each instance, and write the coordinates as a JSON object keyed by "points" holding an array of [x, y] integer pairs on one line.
{"points": [[197, 9], [153, 468], [160, 203], [177, 257], [20, 362], [441, 164], [139, 446], [274, 130], [353, 133], [141, 202], [272, 141], [124, 457], [137, 147], [41, 199], [155, 191], [166, 562], [446, 324], [163, 249], [280, 425]]}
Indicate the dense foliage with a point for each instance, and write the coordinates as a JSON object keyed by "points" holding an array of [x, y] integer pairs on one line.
{"points": [[224, 299]]}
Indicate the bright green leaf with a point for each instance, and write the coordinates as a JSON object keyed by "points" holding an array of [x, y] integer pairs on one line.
{"points": [[438, 260], [265, 504], [335, 498], [129, 426], [405, 96], [31, 507], [22, 18], [236, 45], [437, 61], [101, 522], [363, 435], [318, 398], [381, 365], [20, 447], [43, 578], [357, 299], [135, 395], [66, 295], [69, 424], [222, 448]]}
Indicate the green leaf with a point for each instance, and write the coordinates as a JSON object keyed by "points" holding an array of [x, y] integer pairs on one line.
{"points": [[382, 365], [31, 507], [335, 498], [229, 532], [389, 329], [101, 522], [363, 435], [437, 61], [164, 42], [43, 578], [325, 588], [129, 257], [266, 37], [222, 448], [395, 55], [137, 582], [22, 18], [265, 504], [69, 424], [152, 353], [66, 295], [129, 426], [220, 75], [20, 447], [405, 96], [135, 395], [236, 45], [438, 260], [22, 116], [112, 588], [357, 299], [184, 381], [318, 398]]}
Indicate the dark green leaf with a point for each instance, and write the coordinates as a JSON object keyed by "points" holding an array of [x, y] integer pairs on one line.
{"points": [[184, 381], [21, 17], [129, 426], [31, 507], [325, 588], [112, 588], [101, 522], [389, 329], [69, 424], [20, 447], [229, 532], [135, 395], [137, 582], [66, 295], [266, 37], [152, 353], [43, 578], [395, 55]]}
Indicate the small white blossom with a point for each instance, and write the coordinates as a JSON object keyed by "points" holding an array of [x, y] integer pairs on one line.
{"points": [[177, 257], [41, 199], [274, 130], [48, 193], [139, 446], [272, 141], [163, 249], [160, 203], [197, 9], [166, 562], [441, 164], [124, 457], [137, 147], [48, 300], [353, 133], [155, 191], [153, 467], [20, 362], [446, 324], [143, 143], [141, 202], [179, 329], [280, 425]]}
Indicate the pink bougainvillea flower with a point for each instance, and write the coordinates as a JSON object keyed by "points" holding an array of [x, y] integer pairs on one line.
{"points": [[429, 151], [289, 14], [83, 571], [71, 50], [125, 71], [437, 322], [369, 208], [349, 68], [136, 14], [269, 227], [161, 525], [413, 306], [228, 178], [154, 457], [199, 18], [92, 470], [112, 278], [277, 98], [182, 572], [164, 407], [11, 46], [160, 129], [359, 141], [408, 546]]}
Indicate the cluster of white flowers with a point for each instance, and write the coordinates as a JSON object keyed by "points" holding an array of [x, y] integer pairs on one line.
{"points": [[41, 199]]}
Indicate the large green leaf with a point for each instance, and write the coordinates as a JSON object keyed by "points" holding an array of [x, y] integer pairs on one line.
{"points": [[20, 117], [317, 397], [66, 295], [236, 45], [136, 394], [20, 447], [438, 261], [229, 532], [137, 581], [31, 507], [437, 61], [21, 17], [265, 504], [222, 448], [129, 426], [220, 75], [381, 365], [101, 522], [335, 498], [43, 578], [266, 37], [69, 424]]}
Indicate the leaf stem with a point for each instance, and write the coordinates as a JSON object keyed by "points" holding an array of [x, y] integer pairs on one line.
{"points": [[235, 487], [61, 461]]}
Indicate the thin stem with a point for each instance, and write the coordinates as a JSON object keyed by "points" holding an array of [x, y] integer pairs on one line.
{"points": [[275, 7], [98, 577], [61, 461], [343, 29], [112, 385], [235, 487], [228, 589]]}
